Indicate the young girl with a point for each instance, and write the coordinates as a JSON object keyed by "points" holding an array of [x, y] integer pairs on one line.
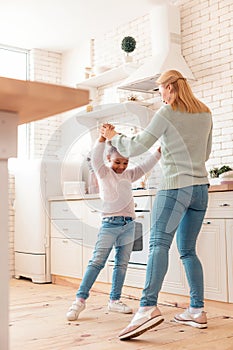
{"points": [[117, 226]]}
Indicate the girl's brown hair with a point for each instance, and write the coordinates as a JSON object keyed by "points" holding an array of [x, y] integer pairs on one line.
{"points": [[111, 149], [185, 101]]}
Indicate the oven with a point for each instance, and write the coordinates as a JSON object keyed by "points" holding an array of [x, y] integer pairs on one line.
{"points": [[143, 205]]}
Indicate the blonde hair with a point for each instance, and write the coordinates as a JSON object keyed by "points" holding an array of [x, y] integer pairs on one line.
{"points": [[185, 101]]}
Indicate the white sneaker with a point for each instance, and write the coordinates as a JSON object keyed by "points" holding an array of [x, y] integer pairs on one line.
{"points": [[142, 322], [74, 310], [118, 306], [198, 320]]}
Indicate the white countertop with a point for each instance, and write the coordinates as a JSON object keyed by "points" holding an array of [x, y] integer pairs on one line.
{"points": [[136, 193]]}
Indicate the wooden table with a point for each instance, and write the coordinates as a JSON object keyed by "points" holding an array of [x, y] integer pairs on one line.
{"points": [[22, 102]]}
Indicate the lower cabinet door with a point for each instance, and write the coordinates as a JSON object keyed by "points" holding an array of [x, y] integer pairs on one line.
{"points": [[211, 249], [229, 236], [175, 280], [91, 226], [66, 257]]}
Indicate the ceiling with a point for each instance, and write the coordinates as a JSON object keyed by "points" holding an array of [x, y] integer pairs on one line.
{"points": [[60, 25]]}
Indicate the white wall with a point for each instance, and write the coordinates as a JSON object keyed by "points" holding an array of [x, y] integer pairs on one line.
{"points": [[207, 41], [74, 63]]}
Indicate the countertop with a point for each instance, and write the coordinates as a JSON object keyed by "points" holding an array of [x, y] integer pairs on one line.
{"points": [[221, 187], [136, 193]]}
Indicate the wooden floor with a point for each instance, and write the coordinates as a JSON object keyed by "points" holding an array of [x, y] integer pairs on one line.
{"points": [[37, 321]]}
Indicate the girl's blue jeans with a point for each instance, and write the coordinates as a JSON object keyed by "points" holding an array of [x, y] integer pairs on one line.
{"points": [[181, 211], [118, 231]]}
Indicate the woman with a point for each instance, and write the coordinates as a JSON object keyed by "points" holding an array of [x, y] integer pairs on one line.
{"points": [[184, 127]]}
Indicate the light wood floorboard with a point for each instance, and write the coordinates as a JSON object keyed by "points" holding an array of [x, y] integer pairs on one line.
{"points": [[37, 321]]}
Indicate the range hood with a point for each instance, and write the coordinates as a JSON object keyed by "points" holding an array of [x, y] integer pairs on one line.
{"points": [[166, 50]]}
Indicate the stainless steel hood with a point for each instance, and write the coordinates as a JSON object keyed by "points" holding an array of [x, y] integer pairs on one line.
{"points": [[166, 51]]}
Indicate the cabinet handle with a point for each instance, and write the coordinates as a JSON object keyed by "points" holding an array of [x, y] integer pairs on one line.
{"points": [[140, 217], [206, 222], [135, 205], [224, 205], [64, 241]]}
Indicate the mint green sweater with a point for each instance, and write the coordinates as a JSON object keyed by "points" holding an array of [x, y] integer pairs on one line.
{"points": [[186, 141]]}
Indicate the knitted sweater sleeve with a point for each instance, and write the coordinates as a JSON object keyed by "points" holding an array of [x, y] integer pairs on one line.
{"points": [[140, 143], [140, 170]]}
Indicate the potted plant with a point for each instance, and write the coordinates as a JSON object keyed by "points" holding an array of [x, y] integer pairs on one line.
{"points": [[128, 45], [217, 173]]}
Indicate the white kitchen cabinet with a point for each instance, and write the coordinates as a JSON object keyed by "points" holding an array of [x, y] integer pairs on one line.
{"points": [[175, 280], [91, 225], [229, 241], [211, 248], [66, 233], [66, 257], [220, 215], [75, 225], [215, 250]]}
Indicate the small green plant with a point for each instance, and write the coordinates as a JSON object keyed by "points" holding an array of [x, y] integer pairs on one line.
{"points": [[128, 44], [215, 172]]}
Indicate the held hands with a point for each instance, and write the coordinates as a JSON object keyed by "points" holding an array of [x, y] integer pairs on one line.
{"points": [[108, 131]]}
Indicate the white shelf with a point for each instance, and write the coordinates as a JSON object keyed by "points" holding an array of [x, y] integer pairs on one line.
{"points": [[108, 77], [111, 110]]}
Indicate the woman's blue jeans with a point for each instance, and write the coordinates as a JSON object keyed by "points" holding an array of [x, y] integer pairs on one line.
{"points": [[181, 211], [118, 231]]}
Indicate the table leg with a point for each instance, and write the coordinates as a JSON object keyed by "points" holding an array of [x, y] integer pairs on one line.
{"points": [[4, 261]]}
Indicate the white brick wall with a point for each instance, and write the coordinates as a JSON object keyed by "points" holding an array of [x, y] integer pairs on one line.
{"points": [[45, 66], [207, 45], [207, 42], [108, 52]]}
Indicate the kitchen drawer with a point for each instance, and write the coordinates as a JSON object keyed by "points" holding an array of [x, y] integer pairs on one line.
{"points": [[220, 205], [142, 203], [67, 229], [93, 205], [66, 209], [66, 257]]}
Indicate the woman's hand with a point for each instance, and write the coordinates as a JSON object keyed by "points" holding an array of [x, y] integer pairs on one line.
{"points": [[108, 131]]}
